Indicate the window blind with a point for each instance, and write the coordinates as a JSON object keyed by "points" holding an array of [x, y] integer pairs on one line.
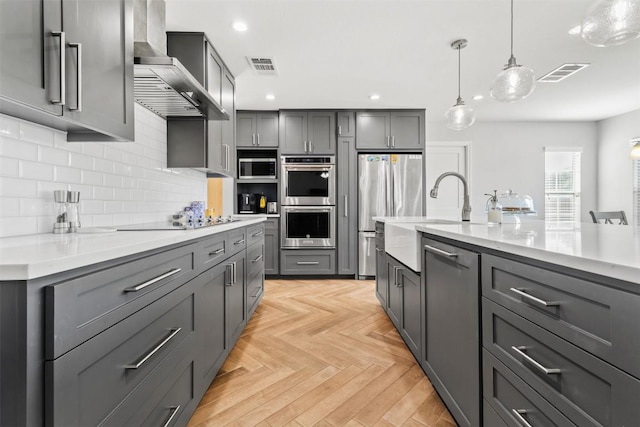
{"points": [[636, 192], [562, 185]]}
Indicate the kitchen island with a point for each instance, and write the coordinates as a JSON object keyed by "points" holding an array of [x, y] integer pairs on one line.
{"points": [[522, 323], [122, 328]]}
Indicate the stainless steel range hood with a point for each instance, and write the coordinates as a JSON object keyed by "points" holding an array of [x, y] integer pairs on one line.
{"points": [[161, 83]]}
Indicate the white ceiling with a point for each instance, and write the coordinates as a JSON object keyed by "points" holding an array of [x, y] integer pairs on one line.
{"points": [[335, 53]]}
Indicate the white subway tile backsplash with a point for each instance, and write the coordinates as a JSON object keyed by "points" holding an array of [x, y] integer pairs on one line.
{"points": [[120, 183]]}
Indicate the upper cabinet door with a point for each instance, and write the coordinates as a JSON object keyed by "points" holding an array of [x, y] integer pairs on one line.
{"points": [[346, 125], [321, 134], [373, 130], [30, 53], [215, 70], [293, 132], [228, 127], [267, 130], [246, 130], [99, 64], [407, 130]]}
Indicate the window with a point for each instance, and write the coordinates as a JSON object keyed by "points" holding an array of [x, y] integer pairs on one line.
{"points": [[636, 193], [562, 184]]}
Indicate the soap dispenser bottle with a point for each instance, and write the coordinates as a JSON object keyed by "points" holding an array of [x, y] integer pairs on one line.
{"points": [[494, 209]]}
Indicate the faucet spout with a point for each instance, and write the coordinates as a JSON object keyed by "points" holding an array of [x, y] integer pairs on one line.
{"points": [[466, 206]]}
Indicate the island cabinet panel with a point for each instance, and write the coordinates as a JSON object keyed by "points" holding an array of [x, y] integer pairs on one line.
{"points": [[89, 382], [452, 336], [382, 278], [589, 314], [80, 308], [587, 390], [411, 321]]}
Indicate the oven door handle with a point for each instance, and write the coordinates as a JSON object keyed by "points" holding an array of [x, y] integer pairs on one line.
{"points": [[320, 210], [325, 167]]}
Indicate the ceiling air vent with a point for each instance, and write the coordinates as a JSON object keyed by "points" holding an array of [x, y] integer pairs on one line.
{"points": [[263, 65], [562, 72]]}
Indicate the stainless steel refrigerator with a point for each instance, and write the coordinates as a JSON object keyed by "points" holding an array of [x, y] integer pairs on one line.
{"points": [[388, 185]]}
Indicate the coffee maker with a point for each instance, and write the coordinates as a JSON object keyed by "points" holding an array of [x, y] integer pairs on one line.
{"points": [[246, 203]]}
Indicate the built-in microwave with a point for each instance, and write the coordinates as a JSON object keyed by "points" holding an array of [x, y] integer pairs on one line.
{"points": [[309, 181], [257, 168], [308, 227]]}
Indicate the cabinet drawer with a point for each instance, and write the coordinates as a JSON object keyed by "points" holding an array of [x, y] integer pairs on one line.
{"points": [[255, 289], [490, 417], [271, 224], [590, 315], [215, 249], [85, 385], [255, 260], [237, 240], [511, 398], [308, 262], [79, 309], [255, 233], [587, 390]]}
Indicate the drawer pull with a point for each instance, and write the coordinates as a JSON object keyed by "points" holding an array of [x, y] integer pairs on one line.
{"points": [[378, 249], [308, 263], [533, 299], [547, 371], [141, 286], [239, 242], [257, 293], [395, 276], [257, 259], [519, 414], [174, 411], [216, 252], [438, 251], [173, 333], [257, 233]]}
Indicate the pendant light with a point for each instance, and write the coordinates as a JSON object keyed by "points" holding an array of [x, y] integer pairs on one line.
{"points": [[611, 22], [459, 116], [514, 82]]}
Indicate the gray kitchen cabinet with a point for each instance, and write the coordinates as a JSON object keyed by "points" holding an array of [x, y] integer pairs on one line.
{"points": [[347, 221], [91, 96], [272, 246], [346, 124], [395, 130], [257, 129], [394, 296], [235, 298], [452, 335], [196, 142], [307, 132], [255, 276], [308, 261], [382, 276]]}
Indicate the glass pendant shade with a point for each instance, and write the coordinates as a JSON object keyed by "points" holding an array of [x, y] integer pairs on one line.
{"points": [[460, 116], [635, 151], [611, 22], [514, 83]]}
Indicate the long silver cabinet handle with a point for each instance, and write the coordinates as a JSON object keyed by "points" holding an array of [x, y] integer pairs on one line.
{"points": [[388, 142], [256, 234], [395, 274], [216, 252], [141, 286], [257, 259], [438, 251], [520, 350], [137, 365], [305, 147], [310, 147], [253, 139], [78, 47], [378, 249], [339, 130], [258, 138], [239, 242], [518, 413], [174, 411], [235, 272], [308, 263], [393, 142], [531, 298], [63, 67], [229, 270], [346, 206]]}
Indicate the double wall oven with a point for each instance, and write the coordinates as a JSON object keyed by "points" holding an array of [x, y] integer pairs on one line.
{"points": [[308, 202]]}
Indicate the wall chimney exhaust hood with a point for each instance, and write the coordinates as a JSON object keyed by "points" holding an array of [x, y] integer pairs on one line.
{"points": [[161, 83]]}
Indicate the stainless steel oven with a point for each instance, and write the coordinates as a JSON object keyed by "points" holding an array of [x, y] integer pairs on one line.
{"points": [[309, 181], [308, 227]]}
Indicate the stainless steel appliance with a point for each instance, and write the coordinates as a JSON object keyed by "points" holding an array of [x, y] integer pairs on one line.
{"points": [[388, 185], [246, 203], [308, 227], [257, 168], [309, 181], [272, 207]]}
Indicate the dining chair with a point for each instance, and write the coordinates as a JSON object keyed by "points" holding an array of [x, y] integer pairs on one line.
{"points": [[609, 216]]}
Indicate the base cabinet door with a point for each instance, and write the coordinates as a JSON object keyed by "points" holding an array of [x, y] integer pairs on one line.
{"points": [[347, 223], [235, 298], [271, 246], [394, 298], [382, 276], [411, 331]]}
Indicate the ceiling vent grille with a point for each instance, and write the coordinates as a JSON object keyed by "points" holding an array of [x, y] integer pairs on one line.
{"points": [[263, 65], [562, 72]]}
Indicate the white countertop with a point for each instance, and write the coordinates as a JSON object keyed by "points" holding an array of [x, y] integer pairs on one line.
{"points": [[608, 250], [257, 215], [38, 255]]}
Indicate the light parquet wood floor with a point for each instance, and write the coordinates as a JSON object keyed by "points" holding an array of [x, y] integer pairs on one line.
{"points": [[323, 353]]}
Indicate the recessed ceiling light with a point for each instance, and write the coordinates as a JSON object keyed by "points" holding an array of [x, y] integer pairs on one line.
{"points": [[270, 96], [240, 26], [478, 97], [374, 97], [575, 30]]}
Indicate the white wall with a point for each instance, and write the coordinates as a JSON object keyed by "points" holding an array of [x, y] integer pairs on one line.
{"points": [[615, 177], [511, 155], [119, 183]]}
